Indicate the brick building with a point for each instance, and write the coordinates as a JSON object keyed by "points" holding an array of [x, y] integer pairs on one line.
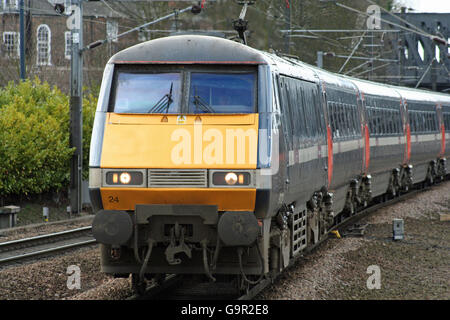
{"points": [[48, 41]]}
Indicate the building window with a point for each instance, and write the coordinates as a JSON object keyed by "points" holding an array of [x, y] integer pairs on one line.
{"points": [[68, 46], [43, 45], [10, 4], [11, 43], [112, 29]]}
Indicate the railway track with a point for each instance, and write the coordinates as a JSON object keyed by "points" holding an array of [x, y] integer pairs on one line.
{"points": [[177, 287], [17, 250]]}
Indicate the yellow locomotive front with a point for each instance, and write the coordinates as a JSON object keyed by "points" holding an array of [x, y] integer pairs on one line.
{"points": [[173, 161]]}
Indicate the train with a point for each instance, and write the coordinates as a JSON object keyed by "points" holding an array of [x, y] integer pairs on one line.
{"points": [[213, 159]]}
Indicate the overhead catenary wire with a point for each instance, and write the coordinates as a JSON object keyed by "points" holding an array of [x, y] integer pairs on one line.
{"points": [[357, 67], [379, 67], [353, 52], [397, 17], [100, 42], [425, 73], [421, 33]]}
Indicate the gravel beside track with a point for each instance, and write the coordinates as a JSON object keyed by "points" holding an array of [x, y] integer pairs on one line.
{"points": [[47, 279]]}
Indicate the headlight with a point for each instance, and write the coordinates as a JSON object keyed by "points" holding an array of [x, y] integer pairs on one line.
{"points": [[222, 178], [231, 178], [123, 177]]}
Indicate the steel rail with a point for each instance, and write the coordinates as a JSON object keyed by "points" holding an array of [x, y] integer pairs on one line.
{"points": [[4, 246], [47, 239], [45, 251]]}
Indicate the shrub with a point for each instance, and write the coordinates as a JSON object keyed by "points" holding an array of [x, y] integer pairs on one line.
{"points": [[34, 138]]}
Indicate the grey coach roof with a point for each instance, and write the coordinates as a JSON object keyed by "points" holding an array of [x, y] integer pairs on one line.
{"points": [[189, 49]]}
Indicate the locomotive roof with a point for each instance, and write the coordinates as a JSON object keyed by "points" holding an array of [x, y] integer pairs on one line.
{"points": [[189, 49], [203, 49]]}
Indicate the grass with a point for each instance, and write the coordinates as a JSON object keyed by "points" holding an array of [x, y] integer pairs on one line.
{"points": [[33, 213]]}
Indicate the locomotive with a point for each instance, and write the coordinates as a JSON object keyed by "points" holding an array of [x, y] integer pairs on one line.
{"points": [[211, 157]]}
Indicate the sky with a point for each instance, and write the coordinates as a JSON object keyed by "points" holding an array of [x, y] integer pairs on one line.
{"points": [[427, 5]]}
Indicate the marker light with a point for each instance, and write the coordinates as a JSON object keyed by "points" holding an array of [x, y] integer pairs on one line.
{"points": [[125, 178], [231, 178]]}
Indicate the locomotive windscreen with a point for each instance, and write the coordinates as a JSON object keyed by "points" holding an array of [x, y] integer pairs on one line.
{"points": [[147, 93], [222, 93], [183, 91]]}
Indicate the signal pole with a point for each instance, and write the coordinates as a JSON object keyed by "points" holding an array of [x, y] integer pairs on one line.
{"points": [[287, 38], [75, 24], [22, 40]]}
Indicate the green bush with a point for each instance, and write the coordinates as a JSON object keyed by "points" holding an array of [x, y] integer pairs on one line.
{"points": [[34, 137]]}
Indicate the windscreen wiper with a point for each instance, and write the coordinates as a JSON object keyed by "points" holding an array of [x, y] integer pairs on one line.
{"points": [[202, 104], [163, 104]]}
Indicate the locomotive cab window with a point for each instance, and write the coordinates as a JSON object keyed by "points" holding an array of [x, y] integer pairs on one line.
{"points": [[183, 89], [147, 92], [222, 92]]}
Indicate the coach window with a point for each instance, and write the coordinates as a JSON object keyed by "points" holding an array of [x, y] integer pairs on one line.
{"points": [[381, 122], [335, 124], [345, 116], [375, 121], [447, 121], [339, 126], [389, 121], [434, 121], [413, 121], [416, 122], [350, 120], [285, 111], [301, 124], [421, 119], [302, 132], [392, 120], [308, 109], [290, 111], [296, 117], [332, 117], [385, 121], [343, 121], [397, 121], [357, 122], [428, 122]]}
